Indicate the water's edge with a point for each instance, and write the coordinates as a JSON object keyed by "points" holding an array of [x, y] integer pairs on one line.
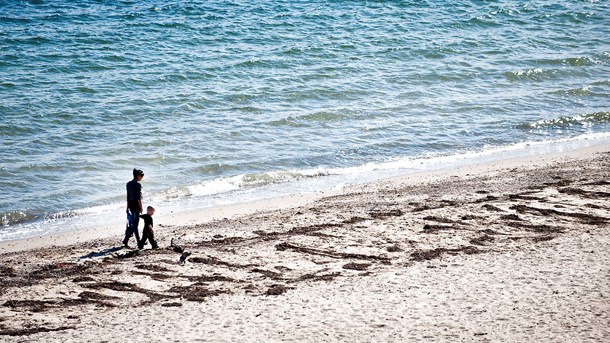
{"points": [[111, 216]]}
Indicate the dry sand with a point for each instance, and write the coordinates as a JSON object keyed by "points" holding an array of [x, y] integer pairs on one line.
{"points": [[510, 251]]}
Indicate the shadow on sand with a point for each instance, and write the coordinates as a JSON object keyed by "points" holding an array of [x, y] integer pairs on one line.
{"points": [[101, 253]]}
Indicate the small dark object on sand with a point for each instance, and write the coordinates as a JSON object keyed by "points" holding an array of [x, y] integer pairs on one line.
{"points": [[176, 247], [184, 256], [276, 290], [357, 266]]}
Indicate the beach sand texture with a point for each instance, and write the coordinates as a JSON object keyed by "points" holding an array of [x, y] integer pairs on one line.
{"points": [[514, 251]]}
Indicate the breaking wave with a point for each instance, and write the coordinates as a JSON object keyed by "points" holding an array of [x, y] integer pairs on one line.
{"points": [[564, 122]]}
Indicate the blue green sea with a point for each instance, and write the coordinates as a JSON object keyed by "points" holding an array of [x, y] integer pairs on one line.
{"points": [[228, 101]]}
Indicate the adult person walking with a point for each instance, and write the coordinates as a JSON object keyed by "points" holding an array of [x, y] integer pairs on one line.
{"points": [[134, 206]]}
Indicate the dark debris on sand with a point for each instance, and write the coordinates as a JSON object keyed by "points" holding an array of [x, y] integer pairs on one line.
{"points": [[276, 290], [426, 255], [33, 330], [197, 292], [356, 266], [320, 234]]}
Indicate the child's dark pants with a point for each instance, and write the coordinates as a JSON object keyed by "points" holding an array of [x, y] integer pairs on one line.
{"points": [[148, 234]]}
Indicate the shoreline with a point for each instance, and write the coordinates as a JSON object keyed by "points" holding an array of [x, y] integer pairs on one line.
{"points": [[194, 217], [112, 217], [508, 251], [179, 219]]}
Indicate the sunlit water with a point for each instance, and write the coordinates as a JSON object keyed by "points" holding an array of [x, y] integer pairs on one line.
{"points": [[221, 101]]}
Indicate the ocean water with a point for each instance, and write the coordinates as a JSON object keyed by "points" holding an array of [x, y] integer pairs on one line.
{"points": [[227, 101]]}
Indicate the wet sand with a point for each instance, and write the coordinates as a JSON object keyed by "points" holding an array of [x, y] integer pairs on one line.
{"points": [[515, 250]]}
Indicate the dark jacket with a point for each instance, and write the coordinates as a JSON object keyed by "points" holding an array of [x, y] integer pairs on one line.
{"points": [[134, 191], [148, 221]]}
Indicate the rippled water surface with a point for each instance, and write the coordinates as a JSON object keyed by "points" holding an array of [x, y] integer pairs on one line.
{"points": [[210, 97]]}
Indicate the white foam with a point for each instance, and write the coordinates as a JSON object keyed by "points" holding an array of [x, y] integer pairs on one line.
{"points": [[250, 187], [216, 186]]}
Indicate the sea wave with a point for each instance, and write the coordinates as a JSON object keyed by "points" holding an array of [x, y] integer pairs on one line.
{"points": [[580, 91], [16, 217], [563, 122], [578, 61], [256, 186], [430, 160], [250, 180], [218, 98], [535, 74]]}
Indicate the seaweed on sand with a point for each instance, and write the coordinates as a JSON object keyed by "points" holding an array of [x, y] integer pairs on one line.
{"points": [[426, 255], [276, 290], [482, 239], [127, 287], [582, 217], [538, 228], [31, 331], [59, 270], [356, 266], [152, 267], [197, 292], [384, 214], [210, 260], [329, 253]]}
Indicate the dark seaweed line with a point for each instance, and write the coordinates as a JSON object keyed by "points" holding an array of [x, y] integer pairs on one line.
{"points": [[584, 217], [265, 236], [426, 255], [31, 331], [288, 246]]}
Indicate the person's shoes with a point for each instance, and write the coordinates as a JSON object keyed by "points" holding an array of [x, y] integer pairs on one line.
{"points": [[126, 245]]}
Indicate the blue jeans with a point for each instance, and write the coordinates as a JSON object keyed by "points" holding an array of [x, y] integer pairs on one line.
{"points": [[133, 219]]}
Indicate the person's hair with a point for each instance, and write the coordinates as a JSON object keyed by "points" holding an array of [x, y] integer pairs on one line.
{"points": [[137, 172], [150, 208]]}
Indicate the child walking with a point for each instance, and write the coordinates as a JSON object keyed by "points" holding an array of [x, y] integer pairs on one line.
{"points": [[148, 233]]}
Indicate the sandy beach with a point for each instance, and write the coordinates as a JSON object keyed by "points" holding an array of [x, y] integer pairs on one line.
{"points": [[515, 250]]}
